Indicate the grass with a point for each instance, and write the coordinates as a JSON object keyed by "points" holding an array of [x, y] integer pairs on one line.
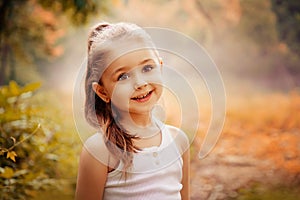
{"points": [[260, 192]]}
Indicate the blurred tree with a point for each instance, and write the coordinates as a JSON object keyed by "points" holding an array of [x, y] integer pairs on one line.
{"points": [[288, 27], [258, 24], [288, 22], [30, 29], [37, 151]]}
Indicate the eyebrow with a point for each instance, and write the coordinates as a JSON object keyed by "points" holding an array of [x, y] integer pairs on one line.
{"points": [[145, 61], [140, 63]]}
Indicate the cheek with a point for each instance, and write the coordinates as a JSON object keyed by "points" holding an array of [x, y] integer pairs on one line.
{"points": [[120, 94], [156, 81], [159, 90], [155, 78]]}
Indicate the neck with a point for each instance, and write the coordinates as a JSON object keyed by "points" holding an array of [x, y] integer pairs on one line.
{"points": [[140, 125], [141, 120], [136, 120]]}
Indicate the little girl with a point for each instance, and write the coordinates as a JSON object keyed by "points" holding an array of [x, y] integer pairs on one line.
{"points": [[133, 155]]}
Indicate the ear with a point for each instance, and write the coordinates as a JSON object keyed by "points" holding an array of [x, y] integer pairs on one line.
{"points": [[101, 92]]}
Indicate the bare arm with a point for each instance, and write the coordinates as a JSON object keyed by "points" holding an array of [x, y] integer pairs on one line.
{"points": [[91, 178], [183, 144], [92, 172], [185, 191]]}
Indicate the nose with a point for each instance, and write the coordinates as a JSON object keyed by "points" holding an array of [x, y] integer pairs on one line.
{"points": [[140, 82]]}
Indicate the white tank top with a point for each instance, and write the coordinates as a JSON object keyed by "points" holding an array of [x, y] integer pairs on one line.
{"points": [[156, 173]]}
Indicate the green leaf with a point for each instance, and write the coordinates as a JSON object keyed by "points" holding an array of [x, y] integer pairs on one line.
{"points": [[8, 173], [31, 87], [14, 88], [30, 176], [2, 99]]}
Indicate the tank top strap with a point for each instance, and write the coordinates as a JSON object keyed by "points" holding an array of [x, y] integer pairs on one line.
{"points": [[166, 137]]}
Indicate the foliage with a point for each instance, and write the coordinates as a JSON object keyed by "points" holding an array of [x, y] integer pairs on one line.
{"points": [[255, 48], [288, 28], [30, 31], [30, 147], [78, 11], [288, 22], [258, 22]]}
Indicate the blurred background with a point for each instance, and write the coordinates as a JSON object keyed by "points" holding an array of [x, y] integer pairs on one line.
{"points": [[254, 43]]}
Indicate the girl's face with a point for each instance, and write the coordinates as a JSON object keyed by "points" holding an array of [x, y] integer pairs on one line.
{"points": [[133, 82]]}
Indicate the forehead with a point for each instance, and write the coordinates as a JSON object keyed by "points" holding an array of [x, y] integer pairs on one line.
{"points": [[130, 54], [134, 58]]}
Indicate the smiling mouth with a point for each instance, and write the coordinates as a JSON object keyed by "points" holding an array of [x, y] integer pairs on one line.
{"points": [[142, 98]]}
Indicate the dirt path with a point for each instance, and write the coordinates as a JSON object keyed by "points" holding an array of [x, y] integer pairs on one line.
{"points": [[239, 161]]}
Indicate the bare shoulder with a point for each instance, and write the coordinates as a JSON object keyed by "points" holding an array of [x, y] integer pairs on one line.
{"points": [[96, 148], [92, 171], [180, 138]]}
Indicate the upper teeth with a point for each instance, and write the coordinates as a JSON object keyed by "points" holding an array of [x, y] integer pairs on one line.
{"points": [[142, 96]]}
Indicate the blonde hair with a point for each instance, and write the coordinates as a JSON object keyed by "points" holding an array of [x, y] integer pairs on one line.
{"points": [[100, 113]]}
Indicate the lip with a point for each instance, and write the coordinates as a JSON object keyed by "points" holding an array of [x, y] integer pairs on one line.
{"points": [[143, 97]]}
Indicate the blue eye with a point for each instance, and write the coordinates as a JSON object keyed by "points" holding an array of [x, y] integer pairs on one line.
{"points": [[147, 68], [123, 76]]}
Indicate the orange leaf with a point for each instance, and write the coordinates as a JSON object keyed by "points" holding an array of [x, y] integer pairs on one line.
{"points": [[11, 155]]}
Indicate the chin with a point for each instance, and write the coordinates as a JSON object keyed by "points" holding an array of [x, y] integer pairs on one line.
{"points": [[141, 111]]}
